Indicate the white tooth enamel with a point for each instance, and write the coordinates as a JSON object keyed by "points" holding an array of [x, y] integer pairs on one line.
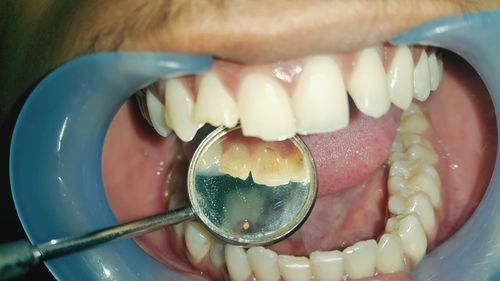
{"points": [[237, 263], [422, 78], [179, 110], [217, 254], [400, 78], [156, 112], [421, 205], [264, 264], [327, 266], [395, 184], [268, 167], [368, 84], [198, 241], [413, 238], [211, 157], [294, 268], [435, 71], [425, 181], [361, 259], [396, 204], [265, 108], [390, 255], [214, 104], [320, 99], [235, 161], [419, 152]]}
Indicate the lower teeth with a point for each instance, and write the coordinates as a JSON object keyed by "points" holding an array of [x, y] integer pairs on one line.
{"points": [[414, 190]]}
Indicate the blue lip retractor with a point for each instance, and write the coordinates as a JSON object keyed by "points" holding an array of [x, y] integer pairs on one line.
{"points": [[55, 156]]}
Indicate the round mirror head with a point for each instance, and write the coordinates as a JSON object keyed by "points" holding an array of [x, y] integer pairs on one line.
{"points": [[251, 192]]}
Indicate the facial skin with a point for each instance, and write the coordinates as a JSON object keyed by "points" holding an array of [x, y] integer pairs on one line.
{"points": [[38, 37]]}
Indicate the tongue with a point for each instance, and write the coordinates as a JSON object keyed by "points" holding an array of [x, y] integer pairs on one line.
{"points": [[346, 158]]}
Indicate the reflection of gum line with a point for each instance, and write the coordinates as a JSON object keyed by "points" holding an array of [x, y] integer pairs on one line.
{"points": [[264, 161], [414, 192]]}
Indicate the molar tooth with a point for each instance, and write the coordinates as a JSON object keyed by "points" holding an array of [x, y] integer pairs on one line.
{"points": [[265, 108], [198, 241], [421, 205], [414, 123], [327, 266], [368, 84], [179, 109], [425, 181], [435, 70], [235, 161], [422, 82], [400, 78], [395, 184], [264, 264], [360, 259], [156, 112], [217, 253], [320, 99], [214, 104], [413, 238], [396, 204], [294, 268], [420, 152], [268, 167], [237, 263], [390, 255]]}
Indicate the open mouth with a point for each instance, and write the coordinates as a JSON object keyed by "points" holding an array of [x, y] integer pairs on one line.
{"points": [[404, 149]]}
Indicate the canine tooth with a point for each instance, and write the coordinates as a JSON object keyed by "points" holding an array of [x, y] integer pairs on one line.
{"points": [[156, 112], [327, 266], [217, 254], [265, 108], [421, 205], [368, 84], [268, 167], [320, 99], [422, 78], [237, 263], [179, 110], [413, 238], [360, 259], [435, 70], [294, 268], [214, 104], [419, 152], [390, 256], [235, 161], [198, 241], [414, 123], [264, 264], [400, 78], [425, 182], [211, 156]]}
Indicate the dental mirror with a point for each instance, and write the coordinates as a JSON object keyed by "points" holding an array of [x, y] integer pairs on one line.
{"points": [[245, 191]]}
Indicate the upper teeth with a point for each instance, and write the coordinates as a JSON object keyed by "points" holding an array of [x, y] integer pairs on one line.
{"points": [[318, 103]]}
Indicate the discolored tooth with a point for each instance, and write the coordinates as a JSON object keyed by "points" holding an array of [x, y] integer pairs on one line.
{"points": [[327, 266], [156, 112], [400, 78], [422, 78], [390, 255], [294, 268], [420, 152], [265, 108], [435, 70], [368, 84], [264, 264], [214, 104], [237, 263], [211, 157], [179, 110], [424, 180], [235, 161], [320, 99], [413, 238], [198, 241], [268, 167], [420, 204], [414, 123], [297, 167], [217, 254], [360, 259]]}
